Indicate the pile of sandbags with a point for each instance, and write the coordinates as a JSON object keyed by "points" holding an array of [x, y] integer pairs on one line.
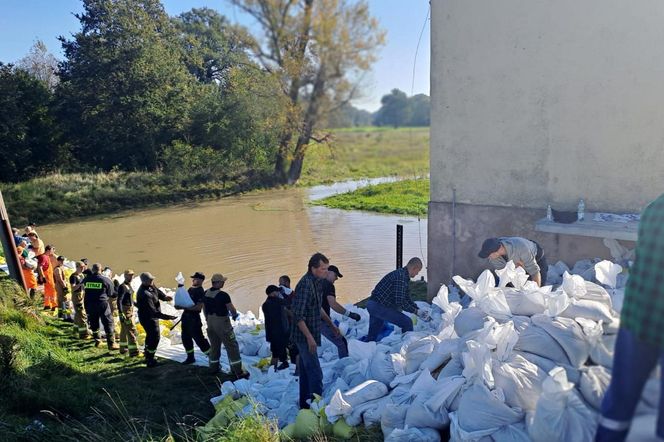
{"points": [[519, 362]]}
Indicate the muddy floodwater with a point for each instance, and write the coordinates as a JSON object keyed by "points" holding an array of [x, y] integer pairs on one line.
{"points": [[251, 239]]}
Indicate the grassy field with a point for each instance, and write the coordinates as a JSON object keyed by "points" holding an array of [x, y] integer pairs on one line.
{"points": [[353, 153], [368, 153], [408, 197]]}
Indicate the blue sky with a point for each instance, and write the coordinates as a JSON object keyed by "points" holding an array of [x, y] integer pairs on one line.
{"points": [[24, 21]]}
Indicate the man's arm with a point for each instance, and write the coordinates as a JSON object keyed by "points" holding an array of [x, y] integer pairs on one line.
{"points": [[498, 263], [334, 305], [231, 308], [162, 296], [196, 308], [402, 297]]}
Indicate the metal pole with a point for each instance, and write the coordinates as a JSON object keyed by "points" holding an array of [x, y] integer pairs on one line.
{"points": [[399, 246], [9, 247]]}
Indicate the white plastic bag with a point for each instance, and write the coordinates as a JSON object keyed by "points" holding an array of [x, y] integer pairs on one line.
{"points": [[574, 285], [413, 435], [560, 414], [594, 383], [607, 272], [366, 391], [417, 352], [520, 380], [586, 308], [481, 411], [517, 276], [468, 320], [382, 368], [393, 417], [182, 298]]}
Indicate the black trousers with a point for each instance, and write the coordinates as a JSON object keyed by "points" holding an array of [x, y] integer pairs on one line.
{"points": [[152, 336], [100, 311], [192, 331], [278, 349], [540, 259]]}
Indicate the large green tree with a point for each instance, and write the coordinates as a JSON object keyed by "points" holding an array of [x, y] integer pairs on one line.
{"points": [[318, 51], [125, 92], [26, 125], [394, 111]]}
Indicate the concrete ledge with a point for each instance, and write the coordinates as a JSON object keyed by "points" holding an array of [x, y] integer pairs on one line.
{"points": [[589, 227]]}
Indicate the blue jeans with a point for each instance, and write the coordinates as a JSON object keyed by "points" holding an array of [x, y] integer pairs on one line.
{"points": [[380, 314], [311, 375], [339, 341], [633, 363]]}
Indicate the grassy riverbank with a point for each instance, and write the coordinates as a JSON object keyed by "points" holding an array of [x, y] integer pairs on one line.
{"points": [[409, 197], [352, 153]]}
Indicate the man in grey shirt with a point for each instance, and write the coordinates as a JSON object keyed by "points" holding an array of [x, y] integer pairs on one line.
{"points": [[523, 252]]}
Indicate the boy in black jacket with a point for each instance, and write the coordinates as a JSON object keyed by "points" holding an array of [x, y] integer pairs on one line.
{"points": [[276, 326]]}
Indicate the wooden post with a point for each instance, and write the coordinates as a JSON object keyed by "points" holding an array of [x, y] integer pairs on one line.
{"points": [[399, 246], [9, 247]]}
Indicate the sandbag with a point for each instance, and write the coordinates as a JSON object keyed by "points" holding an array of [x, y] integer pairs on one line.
{"points": [[560, 414], [468, 320], [366, 391], [573, 374], [182, 299], [414, 435], [441, 353], [355, 417], [593, 385], [602, 352], [393, 417], [417, 352], [454, 367], [525, 303], [481, 409], [537, 341], [589, 309], [520, 380], [382, 368], [429, 409], [569, 335]]}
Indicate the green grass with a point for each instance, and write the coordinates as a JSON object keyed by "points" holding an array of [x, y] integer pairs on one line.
{"points": [[368, 153], [409, 197]]}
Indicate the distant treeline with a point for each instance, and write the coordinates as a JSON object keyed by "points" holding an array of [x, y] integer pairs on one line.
{"points": [[397, 110], [192, 94]]}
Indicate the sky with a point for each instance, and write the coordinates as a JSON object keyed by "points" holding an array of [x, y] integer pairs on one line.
{"points": [[22, 22]]}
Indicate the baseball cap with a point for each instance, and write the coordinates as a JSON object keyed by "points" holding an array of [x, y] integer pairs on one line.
{"points": [[128, 272], [147, 276], [218, 277], [335, 269], [271, 288], [489, 246], [198, 275]]}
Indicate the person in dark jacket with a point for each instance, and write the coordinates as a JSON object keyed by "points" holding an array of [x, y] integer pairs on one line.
{"points": [[149, 314], [192, 327], [276, 326], [98, 290]]}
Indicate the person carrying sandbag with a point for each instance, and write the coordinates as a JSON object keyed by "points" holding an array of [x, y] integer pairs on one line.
{"points": [[218, 307], [523, 252], [149, 314], [390, 297], [640, 343], [192, 327]]}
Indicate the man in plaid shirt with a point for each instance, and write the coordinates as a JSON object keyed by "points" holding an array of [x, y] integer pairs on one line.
{"points": [[390, 296], [305, 331], [640, 342]]}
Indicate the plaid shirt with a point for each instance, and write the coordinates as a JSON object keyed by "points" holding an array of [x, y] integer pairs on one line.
{"points": [[392, 291], [643, 308], [306, 307]]}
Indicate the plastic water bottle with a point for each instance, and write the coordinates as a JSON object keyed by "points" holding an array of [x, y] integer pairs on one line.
{"points": [[549, 213], [580, 214]]}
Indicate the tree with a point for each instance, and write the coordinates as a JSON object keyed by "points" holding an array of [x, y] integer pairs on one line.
{"points": [[318, 51], [125, 92], [348, 115], [41, 64], [420, 107], [394, 111], [26, 126]]}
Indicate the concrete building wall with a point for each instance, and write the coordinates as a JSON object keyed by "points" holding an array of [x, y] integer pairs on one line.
{"points": [[537, 102]]}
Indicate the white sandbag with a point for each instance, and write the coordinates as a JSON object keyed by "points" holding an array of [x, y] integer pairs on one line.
{"points": [[573, 285], [511, 433], [182, 298], [560, 414], [477, 363], [441, 353], [468, 320], [382, 368], [429, 409], [573, 374], [359, 350], [537, 341], [366, 391], [481, 410], [520, 380], [595, 292], [413, 435], [424, 384], [586, 308], [454, 367], [526, 303], [602, 352], [556, 303], [606, 272], [487, 297], [594, 383], [510, 274], [393, 417], [337, 406], [582, 266], [569, 335], [370, 409], [417, 352]]}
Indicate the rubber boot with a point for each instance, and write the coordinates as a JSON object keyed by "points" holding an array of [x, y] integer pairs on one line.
{"points": [[190, 359]]}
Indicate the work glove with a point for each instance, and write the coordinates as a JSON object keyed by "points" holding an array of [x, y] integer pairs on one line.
{"points": [[354, 316], [179, 279], [426, 317], [235, 316]]}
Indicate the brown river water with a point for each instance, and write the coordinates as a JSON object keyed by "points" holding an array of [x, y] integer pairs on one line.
{"points": [[252, 239]]}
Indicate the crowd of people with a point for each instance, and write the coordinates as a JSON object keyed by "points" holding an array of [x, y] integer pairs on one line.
{"points": [[295, 319]]}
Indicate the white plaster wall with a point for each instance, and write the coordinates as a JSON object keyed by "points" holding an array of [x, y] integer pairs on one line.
{"points": [[537, 102]]}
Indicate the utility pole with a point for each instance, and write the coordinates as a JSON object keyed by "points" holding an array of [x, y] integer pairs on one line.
{"points": [[8, 246]]}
